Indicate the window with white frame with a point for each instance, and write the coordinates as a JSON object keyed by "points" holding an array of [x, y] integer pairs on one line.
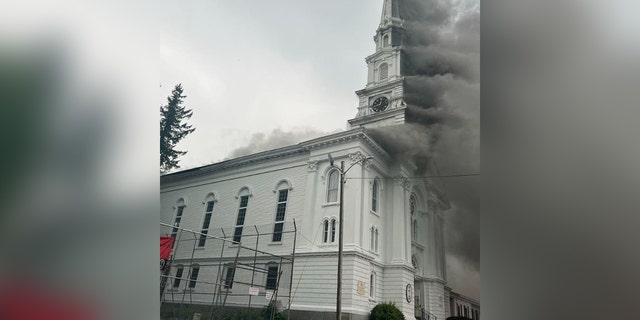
{"points": [[376, 240], [412, 211], [415, 230], [193, 278], [372, 285], [384, 71], [178, 277], [333, 185], [333, 230], [229, 274], [242, 212], [176, 222], [329, 230], [374, 195], [208, 212], [372, 229], [281, 209], [272, 277]]}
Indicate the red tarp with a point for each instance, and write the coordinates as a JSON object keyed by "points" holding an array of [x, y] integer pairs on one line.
{"points": [[165, 247]]}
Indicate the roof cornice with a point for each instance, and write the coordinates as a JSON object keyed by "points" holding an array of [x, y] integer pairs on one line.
{"points": [[284, 152]]}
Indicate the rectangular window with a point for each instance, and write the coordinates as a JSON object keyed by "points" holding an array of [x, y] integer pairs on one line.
{"points": [[272, 277], [281, 209], [176, 222], [242, 211], [193, 277], [176, 281], [205, 224], [228, 279]]}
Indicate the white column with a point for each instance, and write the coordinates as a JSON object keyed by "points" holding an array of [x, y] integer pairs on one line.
{"points": [[399, 226]]}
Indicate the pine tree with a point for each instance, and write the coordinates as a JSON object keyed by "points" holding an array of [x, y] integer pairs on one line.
{"points": [[172, 128]]}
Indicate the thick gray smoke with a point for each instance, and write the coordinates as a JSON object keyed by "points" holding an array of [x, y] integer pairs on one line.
{"points": [[275, 139], [442, 91]]}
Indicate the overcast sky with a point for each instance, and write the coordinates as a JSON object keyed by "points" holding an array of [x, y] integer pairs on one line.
{"points": [[252, 67]]}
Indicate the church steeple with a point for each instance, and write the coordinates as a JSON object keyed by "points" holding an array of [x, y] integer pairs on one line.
{"points": [[381, 102], [390, 13]]}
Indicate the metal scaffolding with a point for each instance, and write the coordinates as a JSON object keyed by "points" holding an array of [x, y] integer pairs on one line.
{"points": [[217, 270]]}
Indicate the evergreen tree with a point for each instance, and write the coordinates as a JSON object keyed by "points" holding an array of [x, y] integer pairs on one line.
{"points": [[172, 128]]}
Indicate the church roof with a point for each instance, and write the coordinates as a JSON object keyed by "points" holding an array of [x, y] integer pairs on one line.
{"points": [[301, 148]]}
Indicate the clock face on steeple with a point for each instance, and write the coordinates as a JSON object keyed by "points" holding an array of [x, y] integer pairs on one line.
{"points": [[380, 104]]}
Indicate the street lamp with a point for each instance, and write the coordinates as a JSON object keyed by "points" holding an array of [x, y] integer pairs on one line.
{"points": [[340, 241]]}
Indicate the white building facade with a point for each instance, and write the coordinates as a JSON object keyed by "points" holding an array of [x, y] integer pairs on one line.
{"points": [[393, 221]]}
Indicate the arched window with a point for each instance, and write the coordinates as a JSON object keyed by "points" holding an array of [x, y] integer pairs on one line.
{"points": [[412, 204], [193, 278], [384, 71], [372, 285], [178, 277], [281, 209], [332, 186], [415, 230], [376, 240], [208, 213], [372, 238], [180, 205], [374, 196], [333, 230], [329, 230], [385, 40], [325, 233], [242, 212]]}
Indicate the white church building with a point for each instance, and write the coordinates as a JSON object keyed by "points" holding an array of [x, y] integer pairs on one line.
{"points": [[393, 221]]}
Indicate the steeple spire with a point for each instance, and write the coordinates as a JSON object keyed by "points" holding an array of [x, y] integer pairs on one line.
{"points": [[390, 13]]}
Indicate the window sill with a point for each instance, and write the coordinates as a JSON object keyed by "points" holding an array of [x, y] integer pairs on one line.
{"points": [[374, 213], [200, 248], [279, 243], [374, 253], [328, 245], [330, 204], [415, 243]]}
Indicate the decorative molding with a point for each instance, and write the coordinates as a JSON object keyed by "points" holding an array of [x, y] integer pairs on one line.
{"points": [[402, 181], [357, 157], [312, 165]]}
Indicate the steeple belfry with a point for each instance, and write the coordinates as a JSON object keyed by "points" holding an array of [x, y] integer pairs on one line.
{"points": [[381, 102]]}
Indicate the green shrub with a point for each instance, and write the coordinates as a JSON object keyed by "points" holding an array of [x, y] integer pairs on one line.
{"points": [[386, 311]]}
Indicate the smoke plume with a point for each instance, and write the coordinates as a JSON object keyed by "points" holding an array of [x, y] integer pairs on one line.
{"points": [[275, 139], [442, 92]]}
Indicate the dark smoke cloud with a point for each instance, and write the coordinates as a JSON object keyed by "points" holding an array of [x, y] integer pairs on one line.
{"points": [[442, 90], [275, 139]]}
